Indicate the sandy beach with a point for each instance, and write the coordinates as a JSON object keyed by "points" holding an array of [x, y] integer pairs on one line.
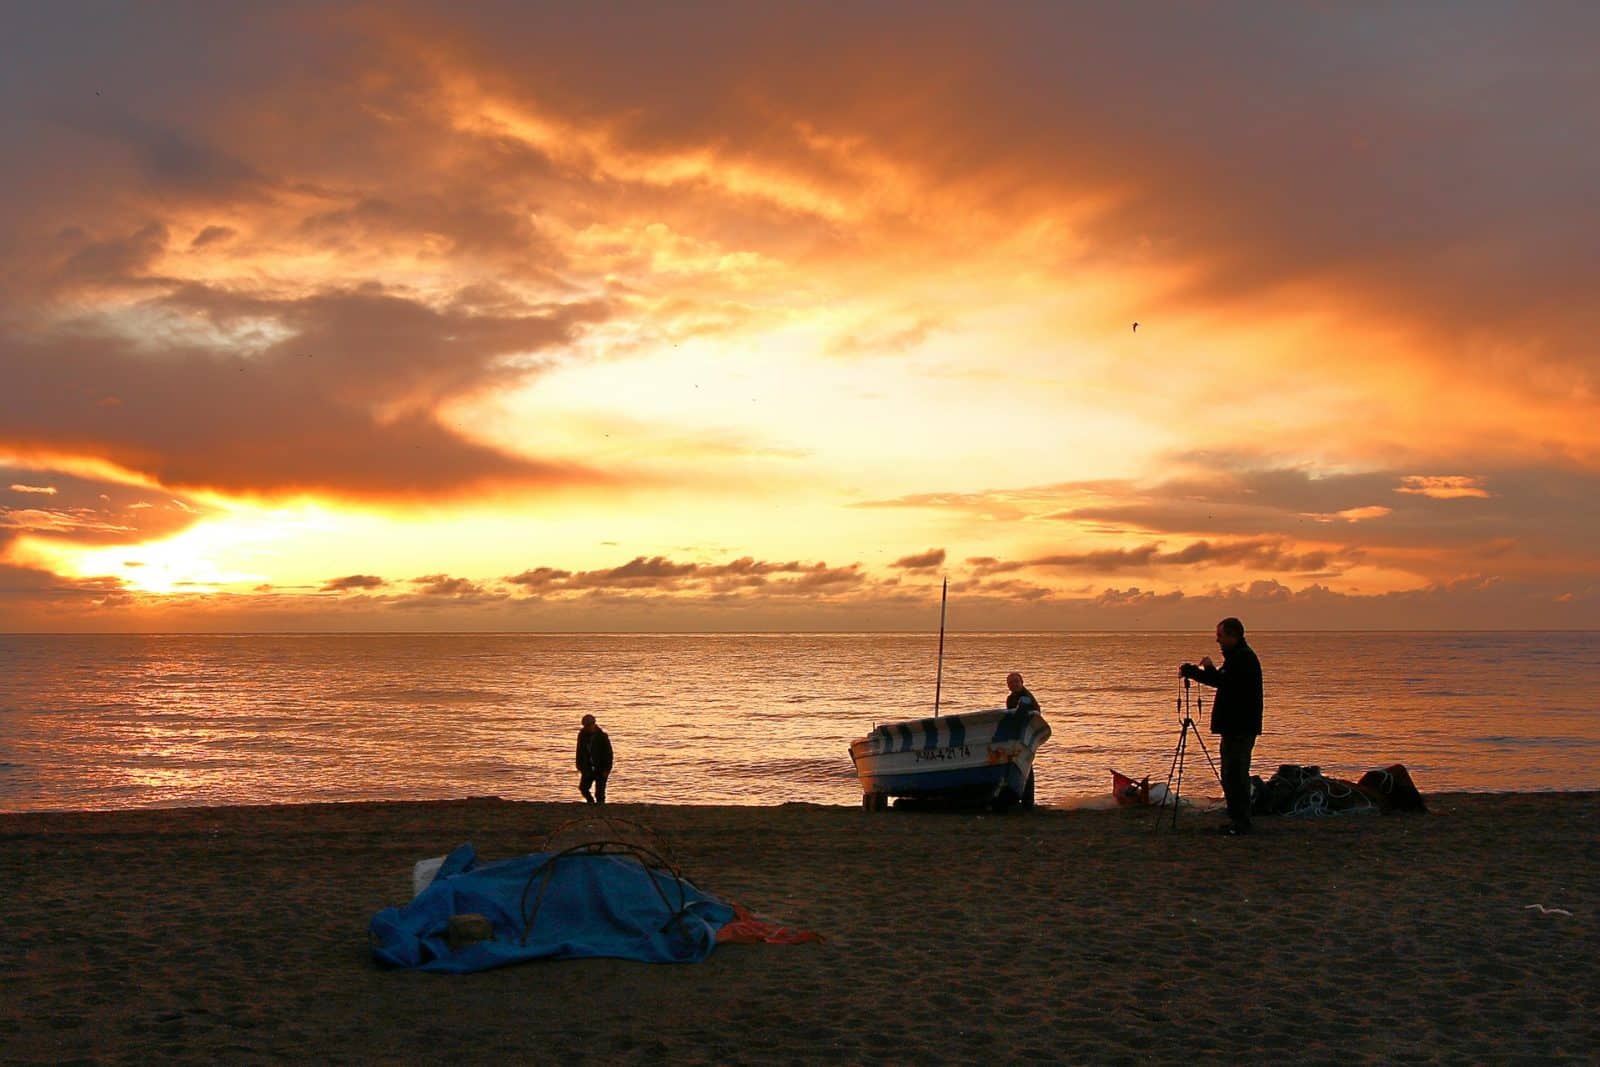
{"points": [[239, 934]]}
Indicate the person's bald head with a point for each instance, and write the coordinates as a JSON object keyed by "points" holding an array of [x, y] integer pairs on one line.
{"points": [[1230, 634]]}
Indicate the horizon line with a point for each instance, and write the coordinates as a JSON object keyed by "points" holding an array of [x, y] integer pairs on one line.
{"points": [[773, 633]]}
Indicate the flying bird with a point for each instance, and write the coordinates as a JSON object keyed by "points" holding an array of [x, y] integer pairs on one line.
{"points": [[1136, 327]]}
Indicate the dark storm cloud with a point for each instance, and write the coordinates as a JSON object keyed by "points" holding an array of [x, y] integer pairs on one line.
{"points": [[344, 405], [116, 260], [377, 345], [104, 164], [1433, 162], [1436, 160], [471, 227], [173, 162]]}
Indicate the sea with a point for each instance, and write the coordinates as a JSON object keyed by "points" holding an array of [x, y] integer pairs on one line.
{"points": [[94, 722]]}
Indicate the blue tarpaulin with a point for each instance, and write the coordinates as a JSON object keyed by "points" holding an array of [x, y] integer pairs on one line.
{"points": [[592, 905]]}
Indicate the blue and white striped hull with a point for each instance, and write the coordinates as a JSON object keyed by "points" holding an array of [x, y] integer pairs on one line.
{"points": [[983, 753]]}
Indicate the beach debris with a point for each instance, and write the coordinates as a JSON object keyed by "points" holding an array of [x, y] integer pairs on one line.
{"points": [[1547, 911]]}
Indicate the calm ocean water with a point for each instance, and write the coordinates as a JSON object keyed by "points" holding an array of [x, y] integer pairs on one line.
{"points": [[92, 722]]}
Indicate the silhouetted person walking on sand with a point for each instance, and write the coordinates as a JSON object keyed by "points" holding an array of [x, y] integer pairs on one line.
{"points": [[1235, 714], [1019, 699], [594, 760]]}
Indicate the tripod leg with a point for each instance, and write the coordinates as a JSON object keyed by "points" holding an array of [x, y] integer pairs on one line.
{"points": [[1166, 793], [1177, 788]]}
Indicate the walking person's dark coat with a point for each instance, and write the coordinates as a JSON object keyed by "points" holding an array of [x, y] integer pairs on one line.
{"points": [[595, 760]]}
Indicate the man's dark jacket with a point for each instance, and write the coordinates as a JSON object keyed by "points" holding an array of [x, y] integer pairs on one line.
{"points": [[1021, 700], [594, 752], [1236, 710]]}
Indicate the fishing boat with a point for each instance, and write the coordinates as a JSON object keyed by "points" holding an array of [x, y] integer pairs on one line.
{"points": [[980, 757]]}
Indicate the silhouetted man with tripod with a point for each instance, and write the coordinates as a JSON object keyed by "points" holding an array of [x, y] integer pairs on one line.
{"points": [[1235, 714]]}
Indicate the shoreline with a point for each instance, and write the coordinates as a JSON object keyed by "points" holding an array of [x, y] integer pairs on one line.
{"points": [[1088, 803], [238, 933]]}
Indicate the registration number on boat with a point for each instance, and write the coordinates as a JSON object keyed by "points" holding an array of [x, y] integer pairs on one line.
{"points": [[947, 752]]}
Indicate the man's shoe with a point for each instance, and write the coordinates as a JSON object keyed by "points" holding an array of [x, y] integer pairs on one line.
{"points": [[1236, 830]]}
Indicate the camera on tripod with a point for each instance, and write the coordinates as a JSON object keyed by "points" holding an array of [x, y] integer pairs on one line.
{"points": [[1190, 704]]}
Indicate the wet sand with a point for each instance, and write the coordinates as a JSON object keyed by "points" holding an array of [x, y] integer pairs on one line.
{"points": [[239, 935]]}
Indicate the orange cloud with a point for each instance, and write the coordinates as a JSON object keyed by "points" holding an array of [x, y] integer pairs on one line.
{"points": [[926, 251], [659, 573], [346, 403], [353, 581], [921, 561], [1442, 486]]}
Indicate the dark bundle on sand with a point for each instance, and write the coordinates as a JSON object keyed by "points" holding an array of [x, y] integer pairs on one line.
{"points": [[1297, 790]]}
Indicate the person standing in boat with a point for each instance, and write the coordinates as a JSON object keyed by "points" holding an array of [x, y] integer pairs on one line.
{"points": [[1019, 699], [1235, 714], [594, 761]]}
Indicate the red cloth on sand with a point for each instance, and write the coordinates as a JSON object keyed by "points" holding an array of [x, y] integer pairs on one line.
{"points": [[747, 929]]}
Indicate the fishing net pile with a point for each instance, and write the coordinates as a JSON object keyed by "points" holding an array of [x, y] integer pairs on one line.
{"points": [[1298, 790], [599, 886]]}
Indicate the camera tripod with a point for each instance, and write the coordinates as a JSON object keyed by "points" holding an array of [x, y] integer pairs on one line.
{"points": [[1174, 788]]}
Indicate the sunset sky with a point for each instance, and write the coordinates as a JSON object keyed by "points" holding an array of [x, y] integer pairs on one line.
{"points": [[752, 316]]}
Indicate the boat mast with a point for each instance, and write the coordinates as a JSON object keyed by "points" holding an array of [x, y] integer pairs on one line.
{"points": [[938, 684]]}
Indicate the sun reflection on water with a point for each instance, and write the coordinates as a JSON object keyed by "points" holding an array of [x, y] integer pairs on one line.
{"points": [[135, 721]]}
